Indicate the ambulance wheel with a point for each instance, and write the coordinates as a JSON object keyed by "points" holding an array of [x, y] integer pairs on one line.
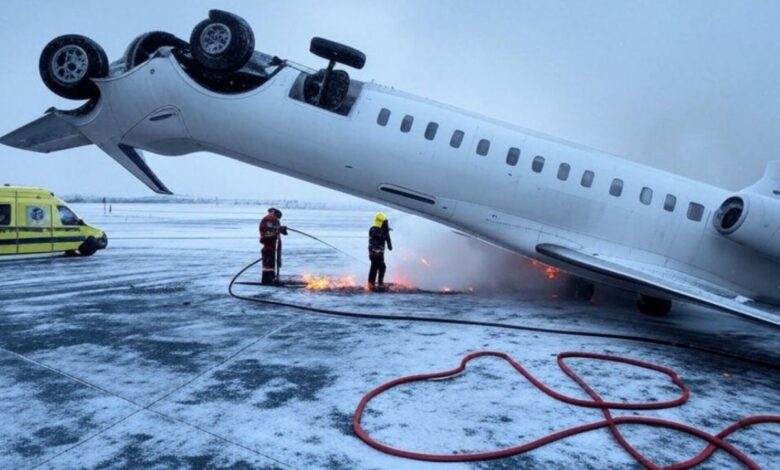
{"points": [[223, 43], [88, 248], [653, 306], [69, 63]]}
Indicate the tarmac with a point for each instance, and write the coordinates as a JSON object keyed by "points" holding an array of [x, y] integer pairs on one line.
{"points": [[138, 358]]}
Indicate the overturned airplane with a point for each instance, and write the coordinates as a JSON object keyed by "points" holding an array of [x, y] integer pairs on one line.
{"points": [[596, 216]]}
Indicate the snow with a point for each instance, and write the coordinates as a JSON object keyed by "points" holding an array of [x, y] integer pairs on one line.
{"points": [[137, 357]]}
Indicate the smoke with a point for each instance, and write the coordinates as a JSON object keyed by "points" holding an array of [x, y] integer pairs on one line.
{"points": [[433, 257]]}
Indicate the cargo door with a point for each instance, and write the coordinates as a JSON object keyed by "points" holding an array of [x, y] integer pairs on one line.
{"points": [[34, 227], [8, 242], [66, 229]]}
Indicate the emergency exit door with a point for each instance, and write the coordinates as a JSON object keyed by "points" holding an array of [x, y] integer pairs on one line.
{"points": [[8, 236]]}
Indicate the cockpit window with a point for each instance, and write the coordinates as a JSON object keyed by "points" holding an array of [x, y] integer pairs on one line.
{"points": [[67, 217]]}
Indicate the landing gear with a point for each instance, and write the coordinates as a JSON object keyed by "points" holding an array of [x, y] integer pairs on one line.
{"points": [[653, 306], [69, 63], [144, 46], [223, 43]]}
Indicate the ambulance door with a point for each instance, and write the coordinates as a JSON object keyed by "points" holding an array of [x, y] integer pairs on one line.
{"points": [[35, 223], [8, 242], [66, 229]]}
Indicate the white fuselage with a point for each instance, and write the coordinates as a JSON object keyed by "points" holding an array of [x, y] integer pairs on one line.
{"points": [[509, 205]]}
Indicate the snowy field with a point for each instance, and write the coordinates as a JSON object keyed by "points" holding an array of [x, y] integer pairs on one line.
{"points": [[138, 358]]}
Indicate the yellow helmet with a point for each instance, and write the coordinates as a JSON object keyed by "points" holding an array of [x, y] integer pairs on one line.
{"points": [[380, 219]]}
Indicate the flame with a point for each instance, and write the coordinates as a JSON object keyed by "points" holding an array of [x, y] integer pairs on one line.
{"points": [[550, 272], [326, 283]]}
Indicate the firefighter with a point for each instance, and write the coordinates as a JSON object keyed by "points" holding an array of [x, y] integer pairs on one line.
{"points": [[378, 237], [270, 230]]}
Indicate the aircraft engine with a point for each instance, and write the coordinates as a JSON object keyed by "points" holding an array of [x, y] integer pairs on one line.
{"points": [[752, 220]]}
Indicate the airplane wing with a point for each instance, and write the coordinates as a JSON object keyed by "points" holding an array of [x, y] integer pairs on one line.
{"points": [[657, 281]]}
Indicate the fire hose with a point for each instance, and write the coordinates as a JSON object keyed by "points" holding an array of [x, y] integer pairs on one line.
{"points": [[715, 442]]}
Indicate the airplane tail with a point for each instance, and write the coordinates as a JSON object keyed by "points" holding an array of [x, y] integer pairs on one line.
{"points": [[51, 133]]}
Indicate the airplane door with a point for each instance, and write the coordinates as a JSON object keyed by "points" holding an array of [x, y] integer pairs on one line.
{"points": [[8, 234], [35, 227]]}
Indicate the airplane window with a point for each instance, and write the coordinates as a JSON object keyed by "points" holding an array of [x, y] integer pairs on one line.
{"points": [[457, 138], [430, 131], [5, 214], [646, 196], [538, 164], [67, 217], [483, 147], [587, 179], [384, 116], [512, 156], [695, 211], [563, 171], [406, 124], [670, 202], [616, 189]]}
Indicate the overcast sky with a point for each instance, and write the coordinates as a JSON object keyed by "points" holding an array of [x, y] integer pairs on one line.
{"points": [[692, 87]]}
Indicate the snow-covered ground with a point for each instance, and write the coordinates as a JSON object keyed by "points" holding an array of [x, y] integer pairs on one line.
{"points": [[137, 357]]}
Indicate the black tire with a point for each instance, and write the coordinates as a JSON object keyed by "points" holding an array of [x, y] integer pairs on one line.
{"points": [[144, 46], [337, 52], [222, 43], [88, 248], [653, 306], [69, 63]]}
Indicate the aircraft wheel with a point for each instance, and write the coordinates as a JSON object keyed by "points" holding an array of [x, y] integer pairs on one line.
{"points": [[653, 306], [223, 43], [144, 46], [69, 63]]}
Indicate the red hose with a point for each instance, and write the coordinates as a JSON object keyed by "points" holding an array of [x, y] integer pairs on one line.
{"points": [[714, 442]]}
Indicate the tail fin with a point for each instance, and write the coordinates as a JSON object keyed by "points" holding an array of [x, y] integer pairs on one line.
{"points": [[51, 133]]}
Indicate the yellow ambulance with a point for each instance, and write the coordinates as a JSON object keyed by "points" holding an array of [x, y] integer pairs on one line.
{"points": [[34, 221]]}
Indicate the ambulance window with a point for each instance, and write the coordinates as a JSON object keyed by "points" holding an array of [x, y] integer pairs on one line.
{"points": [[646, 196], [430, 131], [563, 171], [67, 217], [670, 202], [406, 124], [616, 189], [384, 116], [5, 214], [695, 211], [587, 179], [512, 156], [457, 138], [483, 147], [538, 164]]}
